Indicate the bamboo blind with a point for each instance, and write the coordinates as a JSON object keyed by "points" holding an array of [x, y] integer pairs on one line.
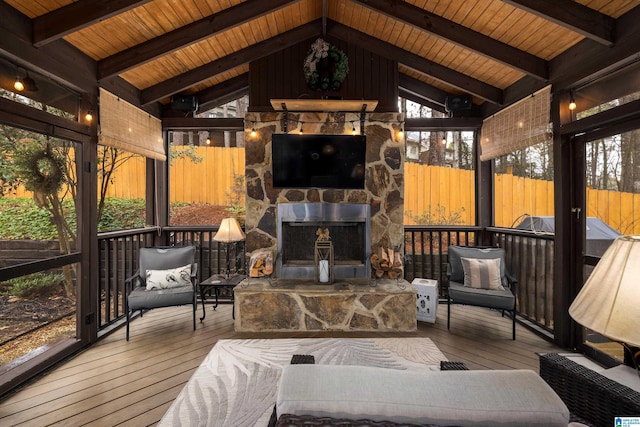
{"points": [[521, 125], [127, 127]]}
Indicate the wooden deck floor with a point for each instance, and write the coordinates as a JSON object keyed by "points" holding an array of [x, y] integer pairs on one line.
{"points": [[116, 382]]}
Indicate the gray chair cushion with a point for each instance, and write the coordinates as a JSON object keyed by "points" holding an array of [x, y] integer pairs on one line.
{"points": [[494, 298], [141, 298], [455, 264], [165, 258]]}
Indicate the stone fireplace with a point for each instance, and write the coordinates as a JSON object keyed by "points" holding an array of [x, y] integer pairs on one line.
{"points": [[349, 230], [360, 222], [383, 191]]}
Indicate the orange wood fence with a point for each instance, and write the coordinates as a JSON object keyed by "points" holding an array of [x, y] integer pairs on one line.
{"points": [[440, 191]]}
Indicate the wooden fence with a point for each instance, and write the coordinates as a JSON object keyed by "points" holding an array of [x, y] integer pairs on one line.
{"points": [[439, 192]]}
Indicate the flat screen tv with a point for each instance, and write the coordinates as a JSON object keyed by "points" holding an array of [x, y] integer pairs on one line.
{"points": [[318, 161]]}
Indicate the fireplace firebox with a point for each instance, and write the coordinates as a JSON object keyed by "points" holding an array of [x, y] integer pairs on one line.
{"points": [[349, 230]]}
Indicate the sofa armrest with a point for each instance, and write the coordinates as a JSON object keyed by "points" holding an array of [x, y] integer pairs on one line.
{"points": [[591, 397]]}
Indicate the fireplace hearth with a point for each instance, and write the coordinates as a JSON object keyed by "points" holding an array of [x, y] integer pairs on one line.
{"points": [[349, 230]]}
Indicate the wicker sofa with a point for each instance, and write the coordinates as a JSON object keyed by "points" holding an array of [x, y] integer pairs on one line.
{"points": [[592, 398]]}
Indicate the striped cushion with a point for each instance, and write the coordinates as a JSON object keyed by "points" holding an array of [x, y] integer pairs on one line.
{"points": [[482, 273]]}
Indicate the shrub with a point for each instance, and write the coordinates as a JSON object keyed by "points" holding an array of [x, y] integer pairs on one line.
{"points": [[121, 214], [35, 284], [438, 217]]}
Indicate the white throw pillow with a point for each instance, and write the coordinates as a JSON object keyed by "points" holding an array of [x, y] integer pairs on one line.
{"points": [[482, 273], [172, 278]]}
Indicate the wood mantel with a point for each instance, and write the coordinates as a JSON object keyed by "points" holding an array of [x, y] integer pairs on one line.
{"points": [[328, 105]]}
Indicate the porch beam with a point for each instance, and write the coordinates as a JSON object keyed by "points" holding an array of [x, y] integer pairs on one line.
{"points": [[251, 53], [192, 123], [423, 90], [186, 35], [446, 75], [58, 60], [588, 60], [461, 35], [412, 96], [75, 16], [222, 93], [443, 123], [583, 20]]}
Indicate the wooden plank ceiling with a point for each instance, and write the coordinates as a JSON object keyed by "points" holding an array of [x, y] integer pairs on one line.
{"points": [[477, 47]]}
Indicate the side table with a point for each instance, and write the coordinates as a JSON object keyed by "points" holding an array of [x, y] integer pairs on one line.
{"points": [[212, 287]]}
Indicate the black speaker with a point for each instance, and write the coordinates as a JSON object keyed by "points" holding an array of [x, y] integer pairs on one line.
{"points": [[457, 103], [184, 103]]}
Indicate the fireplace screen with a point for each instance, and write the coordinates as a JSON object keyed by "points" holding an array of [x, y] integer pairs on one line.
{"points": [[348, 226]]}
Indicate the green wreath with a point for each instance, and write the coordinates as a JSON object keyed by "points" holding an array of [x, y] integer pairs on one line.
{"points": [[44, 169], [326, 66]]}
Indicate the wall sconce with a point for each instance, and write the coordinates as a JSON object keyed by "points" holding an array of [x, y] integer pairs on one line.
{"points": [[208, 141], [89, 116], [353, 129], [401, 133], [301, 124], [18, 84], [253, 133], [25, 83], [572, 104]]}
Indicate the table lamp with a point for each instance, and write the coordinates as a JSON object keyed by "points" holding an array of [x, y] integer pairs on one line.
{"points": [[609, 301], [229, 232]]}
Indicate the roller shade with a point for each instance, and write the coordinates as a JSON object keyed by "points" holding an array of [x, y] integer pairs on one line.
{"points": [[122, 125], [521, 125]]}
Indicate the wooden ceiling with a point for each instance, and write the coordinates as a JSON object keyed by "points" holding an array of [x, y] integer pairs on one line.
{"points": [[477, 47]]}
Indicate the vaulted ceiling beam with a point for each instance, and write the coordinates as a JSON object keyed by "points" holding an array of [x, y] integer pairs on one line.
{"points": [[446, 75], [461, 35], [251, 53], [590, 23], [426, 91], [411, 96], [223, 92], [186, 35], [589, 60], [75, 16]]}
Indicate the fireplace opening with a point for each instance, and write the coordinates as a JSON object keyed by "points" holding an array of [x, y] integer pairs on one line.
{"points": [[349, 230]]}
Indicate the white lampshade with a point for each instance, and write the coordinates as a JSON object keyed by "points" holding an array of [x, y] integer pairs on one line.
{"points": [[609, 301], [229, 231]]}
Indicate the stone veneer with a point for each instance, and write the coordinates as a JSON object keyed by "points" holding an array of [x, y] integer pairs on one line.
{"points": [[345, 305], [384, 175]]}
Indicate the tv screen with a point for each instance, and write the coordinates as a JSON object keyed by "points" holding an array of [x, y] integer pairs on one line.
{"points": [[318, 161]]}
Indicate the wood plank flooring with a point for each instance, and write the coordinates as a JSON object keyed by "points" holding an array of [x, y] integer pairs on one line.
{"points": [[116, 382]]}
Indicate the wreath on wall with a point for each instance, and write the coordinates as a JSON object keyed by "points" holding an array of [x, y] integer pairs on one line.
{"points": [[45, 169], [326, 66]]}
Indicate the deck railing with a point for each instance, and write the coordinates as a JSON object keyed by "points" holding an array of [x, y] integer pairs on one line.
{"points": [[529, 259]]}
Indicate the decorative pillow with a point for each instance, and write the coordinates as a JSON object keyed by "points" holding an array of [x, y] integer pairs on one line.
{"points": [[172, 278], [482, 273]]}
